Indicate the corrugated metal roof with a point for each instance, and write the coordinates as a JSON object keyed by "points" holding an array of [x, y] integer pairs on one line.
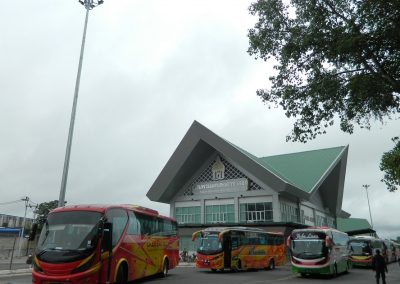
{"points": [[352, 224]]}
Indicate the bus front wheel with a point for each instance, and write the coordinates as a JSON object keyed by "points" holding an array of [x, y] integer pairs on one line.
{"points": [[335, 272], [164, 272], [271, 265], [239, 265], [121, 275]]}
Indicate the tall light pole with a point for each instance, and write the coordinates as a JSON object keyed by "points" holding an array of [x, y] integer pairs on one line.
{"points": [[370, 216], [89, 5]]}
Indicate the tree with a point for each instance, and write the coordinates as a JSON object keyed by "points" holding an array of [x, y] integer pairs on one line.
{"points": [[335, 60], [390, 165], [43, 210]]}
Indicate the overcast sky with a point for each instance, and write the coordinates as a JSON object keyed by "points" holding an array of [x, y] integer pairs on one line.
{"points": [[150, 69]]}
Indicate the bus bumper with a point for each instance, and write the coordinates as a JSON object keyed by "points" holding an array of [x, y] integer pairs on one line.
{"points": [[79, 278], [326, 270], [362, 262]]}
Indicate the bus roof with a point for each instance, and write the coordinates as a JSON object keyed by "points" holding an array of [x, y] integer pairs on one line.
{"points": [[320, 229], [101, 208], [247, 229], [367, 238]]}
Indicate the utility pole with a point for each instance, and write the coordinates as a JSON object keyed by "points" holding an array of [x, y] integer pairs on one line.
{"points": [[21, 239], [89, 5], [366, 186]]}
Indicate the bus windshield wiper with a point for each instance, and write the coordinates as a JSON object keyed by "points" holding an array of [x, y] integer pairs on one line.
{"points": [[42, 252]]}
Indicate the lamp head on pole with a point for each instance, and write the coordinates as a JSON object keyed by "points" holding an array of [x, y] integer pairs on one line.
{"points": [[90, 4]]}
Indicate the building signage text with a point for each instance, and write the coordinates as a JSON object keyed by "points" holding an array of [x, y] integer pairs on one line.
{"points": [[225, 186]]}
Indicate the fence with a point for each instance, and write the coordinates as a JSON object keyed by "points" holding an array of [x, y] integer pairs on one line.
{"points": [[14, 251]]}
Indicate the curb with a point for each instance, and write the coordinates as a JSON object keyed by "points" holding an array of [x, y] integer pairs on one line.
{"points": [[10, 273], [186, 264]]}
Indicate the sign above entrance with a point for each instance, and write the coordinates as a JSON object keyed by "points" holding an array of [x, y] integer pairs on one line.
{"points": [[222, 186]]}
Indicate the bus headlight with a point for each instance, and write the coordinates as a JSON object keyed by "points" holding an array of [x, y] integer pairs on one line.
{"points": [[36, 267]]}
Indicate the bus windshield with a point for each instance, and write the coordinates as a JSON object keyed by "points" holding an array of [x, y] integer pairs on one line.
{"points": [[210, 245], [309, 245], [68, 236], [360, 247]]}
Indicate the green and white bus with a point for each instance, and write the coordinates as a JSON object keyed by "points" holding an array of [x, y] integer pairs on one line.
{"points": [[319, 250]]}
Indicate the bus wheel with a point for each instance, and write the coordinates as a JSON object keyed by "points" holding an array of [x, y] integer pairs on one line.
{"points": [[347, 267], [239, 265], [121, 276], [335, 273], [213, 270], [164, 272], [271, 265]]}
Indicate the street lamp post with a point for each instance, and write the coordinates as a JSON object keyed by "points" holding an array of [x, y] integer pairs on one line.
{"points": [[89, 5], [366, 186]]}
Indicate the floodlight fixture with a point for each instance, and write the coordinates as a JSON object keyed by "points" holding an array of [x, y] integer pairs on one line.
{"points": [[90, 4]]}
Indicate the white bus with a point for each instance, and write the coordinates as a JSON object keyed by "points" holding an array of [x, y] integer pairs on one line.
{"points": [[319, 250]]}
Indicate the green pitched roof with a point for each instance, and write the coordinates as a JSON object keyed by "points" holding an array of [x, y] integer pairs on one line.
{"points": [[352, 224], [303, 169]]}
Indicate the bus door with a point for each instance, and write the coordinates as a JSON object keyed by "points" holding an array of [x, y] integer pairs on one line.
{"points": [[227, 248]]}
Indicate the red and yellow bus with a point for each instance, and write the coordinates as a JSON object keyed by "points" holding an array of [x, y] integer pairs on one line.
{"points": [[363, 248], [104, 244], [238, 248]]}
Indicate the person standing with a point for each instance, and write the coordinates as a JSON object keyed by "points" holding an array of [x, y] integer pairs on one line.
{"points": [[379, 265]]}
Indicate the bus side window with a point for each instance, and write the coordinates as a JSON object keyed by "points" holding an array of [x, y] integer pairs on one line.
{"points": [[167, 228], [262, 239], [134, 225], [270, 239], [244, 239], [235, 242], [144, 228], [118, 217], [280, 240]]}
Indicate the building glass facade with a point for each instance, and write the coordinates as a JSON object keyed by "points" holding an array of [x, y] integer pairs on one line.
{"points": [[256, 212], [224, 213], [188, 215], [289, 213]]}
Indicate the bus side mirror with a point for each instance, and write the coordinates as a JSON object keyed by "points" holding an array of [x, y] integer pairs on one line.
{"points": [[32, 233], [107, 236], [288, 241], [328, 242]]}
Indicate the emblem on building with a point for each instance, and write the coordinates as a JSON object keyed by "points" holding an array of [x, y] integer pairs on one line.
{"points": [[218, 169]]}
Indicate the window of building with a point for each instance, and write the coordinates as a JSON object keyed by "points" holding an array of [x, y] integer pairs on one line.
{"points": [[289, 212], [331, 222], [321, 221], [256, 212], [188, 215], [224, 213]]}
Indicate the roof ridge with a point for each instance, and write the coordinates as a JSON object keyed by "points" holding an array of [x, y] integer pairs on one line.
{"points": [[300, 152], [258, 161]]}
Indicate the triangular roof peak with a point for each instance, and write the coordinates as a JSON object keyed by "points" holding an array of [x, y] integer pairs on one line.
{"points": [[283, 173]]}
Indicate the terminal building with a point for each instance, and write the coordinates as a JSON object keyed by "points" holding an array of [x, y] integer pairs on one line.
{"points": [[208, 181]]}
